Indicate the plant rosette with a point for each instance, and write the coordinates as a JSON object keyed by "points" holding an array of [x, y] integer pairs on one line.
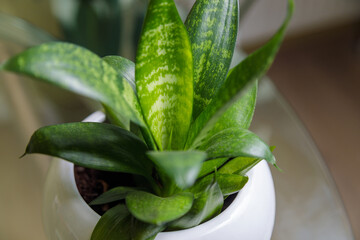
{"points": [[179, 121], [250, 216]]}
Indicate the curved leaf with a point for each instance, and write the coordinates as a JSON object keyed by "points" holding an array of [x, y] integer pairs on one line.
{"points": [[239, 114], [164, 75], [211, 165], [113, 195], [93, 145], [213, 41], [237, 142], [206, 205], [239, 165], [145, 231], [157, 210], [76, 69], [229, 183], [237, 83], [180, 167], [114, 223], [124, 67]]}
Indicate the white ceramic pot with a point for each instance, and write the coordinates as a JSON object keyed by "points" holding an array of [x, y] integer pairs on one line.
{"points": [[250, 216]]}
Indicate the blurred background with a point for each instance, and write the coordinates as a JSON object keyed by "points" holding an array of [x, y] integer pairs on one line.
{"points": [[309, 105]]}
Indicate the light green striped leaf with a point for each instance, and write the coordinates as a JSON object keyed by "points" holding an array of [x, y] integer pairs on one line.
{"points": [[212, 26], [76, 69], [126, 69], [164, 75], [237, 84]]}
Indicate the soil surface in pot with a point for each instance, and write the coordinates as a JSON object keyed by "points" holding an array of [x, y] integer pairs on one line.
{"points": [[92, 183]]}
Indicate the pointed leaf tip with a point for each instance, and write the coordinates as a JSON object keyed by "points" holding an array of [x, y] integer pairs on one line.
{"points": [[164, 75]]}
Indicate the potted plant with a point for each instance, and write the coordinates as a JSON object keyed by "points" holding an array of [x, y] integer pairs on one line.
{"points": [[179, 118]]}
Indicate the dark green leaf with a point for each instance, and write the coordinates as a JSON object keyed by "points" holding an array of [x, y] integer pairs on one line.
{"points": [[236, 142], [237, 84], [180, 167], [211, 165], [239, 114], [212, 26], [207, 205], [113, 195], [157, 210], [76, 69], [145, 231], [164, 75], [93, 145], [115, 223], [229, 183], [239, 165]]}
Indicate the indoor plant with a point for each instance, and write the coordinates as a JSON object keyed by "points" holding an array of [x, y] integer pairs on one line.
{"points": [[179, 127]]}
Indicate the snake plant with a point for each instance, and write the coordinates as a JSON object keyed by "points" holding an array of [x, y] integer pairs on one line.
{"points": [[179, 116]]}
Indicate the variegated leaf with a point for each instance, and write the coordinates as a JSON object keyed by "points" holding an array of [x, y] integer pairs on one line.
{"points": [[78, 70], [237, 83], [164, 75], [212, 26]]}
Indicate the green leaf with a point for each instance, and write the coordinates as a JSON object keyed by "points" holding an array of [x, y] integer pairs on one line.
{"points": [[157, 210], [229, 183], [239, 114], [114, 223], [239, 165], [93, 145], [145, 231], [211, 165], [164, 75], [236, 142], [117, 223], [180, 167], [113, 195], [207, 205], [116, 119], [212, 26], [237, 84], [126, 70], [124, 67], [76, 69]]}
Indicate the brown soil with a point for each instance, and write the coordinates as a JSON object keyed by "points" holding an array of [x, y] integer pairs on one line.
{"points": [[92, 183]]}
